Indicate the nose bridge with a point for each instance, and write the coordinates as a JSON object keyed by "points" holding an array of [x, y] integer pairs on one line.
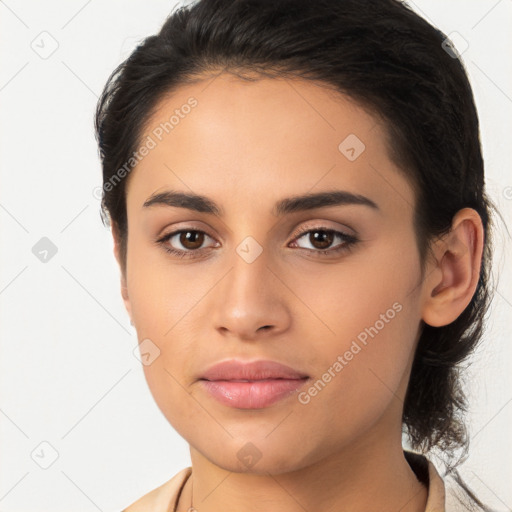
{"points": [[249, 296], [250, 256], [249, 279]]}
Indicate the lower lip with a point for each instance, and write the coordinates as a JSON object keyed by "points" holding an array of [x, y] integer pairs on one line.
{"points": [[252, 395]]}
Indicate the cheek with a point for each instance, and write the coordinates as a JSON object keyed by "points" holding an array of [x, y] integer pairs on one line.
{"points": [[372, 290], [366, 318], [362, 371], [160, 303], [160, 294]]}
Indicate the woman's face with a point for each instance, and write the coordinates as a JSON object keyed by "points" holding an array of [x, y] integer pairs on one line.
{"points": [[254, 283]]}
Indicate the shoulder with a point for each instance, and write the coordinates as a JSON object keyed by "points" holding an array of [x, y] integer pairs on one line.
{"points": [[444, 493], [163, 497], [460, 498]]}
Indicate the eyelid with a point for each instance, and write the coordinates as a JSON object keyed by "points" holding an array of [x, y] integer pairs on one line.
{"points": [[322, 225], [182, 226], [167, 235]]}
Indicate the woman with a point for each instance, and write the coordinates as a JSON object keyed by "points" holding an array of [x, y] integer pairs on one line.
{"points": [[296, 195]]}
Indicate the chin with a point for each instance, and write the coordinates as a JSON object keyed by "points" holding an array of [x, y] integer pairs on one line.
{"points": [[257, 458]]}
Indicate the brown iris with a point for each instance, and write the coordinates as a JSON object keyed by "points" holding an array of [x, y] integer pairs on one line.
{"points": [[323, 237], [195, 238]]}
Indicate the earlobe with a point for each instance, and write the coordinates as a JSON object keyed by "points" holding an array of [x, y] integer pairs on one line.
{"points": [[125, 296], [451, 284], [117, 254]]}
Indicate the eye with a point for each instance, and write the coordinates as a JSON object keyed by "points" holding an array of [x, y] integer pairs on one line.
{"points": [[190, 239], [321, 239]]}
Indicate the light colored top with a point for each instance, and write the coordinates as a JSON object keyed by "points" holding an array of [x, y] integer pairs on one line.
{"points": [[165, 497]]}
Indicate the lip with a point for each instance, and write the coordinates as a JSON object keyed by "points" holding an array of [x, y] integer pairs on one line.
{"points": [[252, 385], [252, 370]]}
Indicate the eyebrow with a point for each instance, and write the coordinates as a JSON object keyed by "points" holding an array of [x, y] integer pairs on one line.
{"points": [[293, 204]]}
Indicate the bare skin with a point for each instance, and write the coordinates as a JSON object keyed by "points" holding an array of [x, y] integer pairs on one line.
{"points": [[247, 146]]}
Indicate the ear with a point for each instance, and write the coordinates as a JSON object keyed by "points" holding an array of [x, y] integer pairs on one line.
{"points": [[117, 253], [451, 283]]}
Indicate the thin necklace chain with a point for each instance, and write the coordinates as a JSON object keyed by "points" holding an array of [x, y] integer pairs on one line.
{"points": [[191, 509]]}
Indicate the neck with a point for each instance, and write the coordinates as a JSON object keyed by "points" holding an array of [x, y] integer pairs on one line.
{"points": [[359, 480]]}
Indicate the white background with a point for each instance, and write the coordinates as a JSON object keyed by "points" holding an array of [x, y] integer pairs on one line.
{"points": [[68, 376]]}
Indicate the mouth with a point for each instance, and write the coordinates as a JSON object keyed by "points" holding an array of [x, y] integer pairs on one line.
{"points": [[234, 370], [251, 385]]}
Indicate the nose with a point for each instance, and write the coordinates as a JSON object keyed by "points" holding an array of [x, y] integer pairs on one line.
{"points": [[250, 301]]}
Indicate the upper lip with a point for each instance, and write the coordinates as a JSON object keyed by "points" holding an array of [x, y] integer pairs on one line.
{"points": [[254, 370]]}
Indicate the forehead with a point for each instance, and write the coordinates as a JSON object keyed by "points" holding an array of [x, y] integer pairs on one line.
{"points": [[230, 138]]}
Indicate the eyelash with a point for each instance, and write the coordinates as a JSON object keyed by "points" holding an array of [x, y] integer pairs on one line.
{"points": [[349, 242]]}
